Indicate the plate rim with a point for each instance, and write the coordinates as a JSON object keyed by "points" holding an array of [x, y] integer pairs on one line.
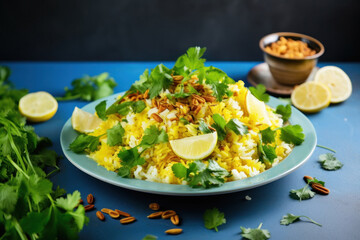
{"points": [[224, 189]]}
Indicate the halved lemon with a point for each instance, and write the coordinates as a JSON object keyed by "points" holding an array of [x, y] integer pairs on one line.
{"points": [[38, 106], [337, 81], [84, 122], [257, 110], [195, 148], [311, 97]]}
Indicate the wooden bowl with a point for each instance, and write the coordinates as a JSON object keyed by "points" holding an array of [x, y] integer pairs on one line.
{"points": [[291, 71]]}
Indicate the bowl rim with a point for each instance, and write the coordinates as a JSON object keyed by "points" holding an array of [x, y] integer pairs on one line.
{"points": [[292, 34]]}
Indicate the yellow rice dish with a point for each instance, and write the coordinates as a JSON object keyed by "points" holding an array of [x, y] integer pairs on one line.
{"points": [[180, 117]]}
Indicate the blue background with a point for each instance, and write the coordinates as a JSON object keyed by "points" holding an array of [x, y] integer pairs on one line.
{"points": [[337, 127]]}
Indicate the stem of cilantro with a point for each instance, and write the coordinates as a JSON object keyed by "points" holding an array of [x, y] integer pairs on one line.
{"points": [[19, 229], [260, 226], [312, 220], [17, 166], [330, 149]]}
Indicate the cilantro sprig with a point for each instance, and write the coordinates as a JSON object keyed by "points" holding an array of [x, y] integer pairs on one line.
{"points": [[302, 194], [213, 218], [260, 92], [329, 162], [132, 157], [291, 218], [255, 233], [200, 175], [222, 126], [90, 88]]}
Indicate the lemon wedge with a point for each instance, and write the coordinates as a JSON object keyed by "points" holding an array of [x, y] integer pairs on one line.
{"points": [[257, 110], [38, 106], [337, 81], [311, 97], [195, 148], [84, 122]]}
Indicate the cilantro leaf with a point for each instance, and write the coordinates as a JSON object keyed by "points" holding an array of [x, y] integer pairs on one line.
{"points": [[90, 88], [125, 107], [213, 218], [255, 233], [138, 106], [84, 142], [329, 162], [70, 202], [189, 62], [204, 128], [142, 85], [302, 193], [39, 188], [8, 198], [152, 136], [219, 125], [115, 135], [101, 110], [219, 87], [260, 92], [150, 237], [179, 170], [34, 222], [198, 175], [284, 111], [314, 180], [268, 135], [184, 121], [129, 159], [291, 218], [292, 134], [160, 79], [237, 127]]}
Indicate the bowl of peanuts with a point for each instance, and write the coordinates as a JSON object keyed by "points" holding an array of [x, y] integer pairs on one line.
{"points": [[291, 56]]}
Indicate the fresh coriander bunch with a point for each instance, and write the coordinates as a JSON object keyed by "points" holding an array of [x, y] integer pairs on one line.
{"points": [[29, 206]]}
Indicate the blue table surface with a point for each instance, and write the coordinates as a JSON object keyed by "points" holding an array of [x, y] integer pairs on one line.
{"points": [[337, 127]]}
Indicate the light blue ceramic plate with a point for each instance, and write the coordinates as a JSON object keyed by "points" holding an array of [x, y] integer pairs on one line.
{"points": [[297, 157]]}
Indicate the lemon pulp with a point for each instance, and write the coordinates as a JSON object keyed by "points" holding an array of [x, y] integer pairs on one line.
{"points": [[337, 81], [311, 97], [195, 148], [84, 122], [38, 106]]}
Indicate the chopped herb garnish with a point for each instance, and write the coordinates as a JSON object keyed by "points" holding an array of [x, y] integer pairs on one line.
{"points": [[255, 233], [292, 134], [152, 136], [84, 142], [90, 88], [184, 121], [198, 175], [284, 111], [204, 128], [131, 157], [237, 127], [302, 193], [214, 218], [101, 110], [115, 135], [291, 218], [268, 135], [329, 162], [260, 92]]}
